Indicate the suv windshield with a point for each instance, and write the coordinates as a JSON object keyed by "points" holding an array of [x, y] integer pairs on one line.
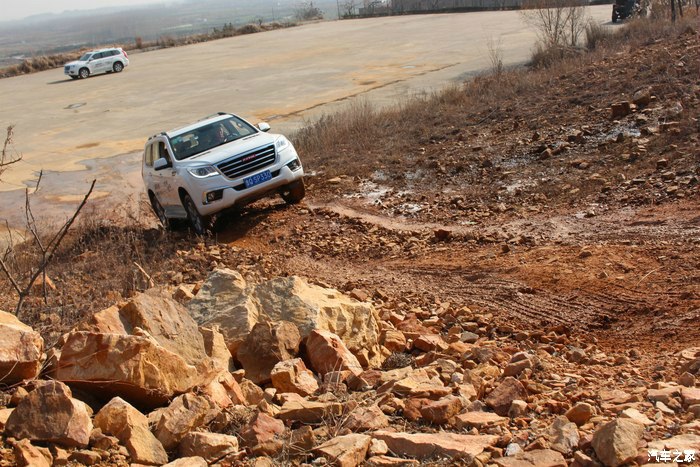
{"points": [[206, 137], [85, 57]]}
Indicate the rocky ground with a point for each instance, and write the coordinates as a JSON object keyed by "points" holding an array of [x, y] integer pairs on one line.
{"points": [[517, 286]]}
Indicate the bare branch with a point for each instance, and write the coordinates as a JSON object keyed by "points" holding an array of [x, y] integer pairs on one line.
{"points": [[8, 157], [53, 245], [9, 275]]}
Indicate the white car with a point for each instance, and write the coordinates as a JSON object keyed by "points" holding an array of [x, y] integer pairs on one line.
{"points": [[97, 61], [217, 163]]}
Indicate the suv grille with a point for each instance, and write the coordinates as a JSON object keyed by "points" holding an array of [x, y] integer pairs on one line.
{"points": [[248, 162]]}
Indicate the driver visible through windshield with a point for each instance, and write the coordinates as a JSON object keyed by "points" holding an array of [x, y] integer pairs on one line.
{"points": [[199, 140]]}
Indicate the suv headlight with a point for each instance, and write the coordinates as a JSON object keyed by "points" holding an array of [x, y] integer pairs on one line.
{"points": [[203, 172], [282, 143]]}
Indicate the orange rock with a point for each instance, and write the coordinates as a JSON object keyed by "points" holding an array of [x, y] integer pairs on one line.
{"points": [[212, 447], [441, 411], [21, 350], [130, 426], [345, 451], [327, 352], [293, 376], [432, 445], [504, 394], [49, 413], [262, 428], [266, 345]]}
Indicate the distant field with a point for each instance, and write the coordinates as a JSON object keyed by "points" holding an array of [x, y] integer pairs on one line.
{"points": [[52, 34]]}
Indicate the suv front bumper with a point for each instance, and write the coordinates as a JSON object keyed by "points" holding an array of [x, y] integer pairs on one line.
{"points": [[234, 192]]}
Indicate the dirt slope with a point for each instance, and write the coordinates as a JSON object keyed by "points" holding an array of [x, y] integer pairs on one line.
{"points": [[547, 211], [538, 207]]}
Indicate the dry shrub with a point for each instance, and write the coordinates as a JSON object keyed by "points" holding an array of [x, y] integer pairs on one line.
{"points": [[361, 139], [249, 29], [597, 36], [545, 56]]}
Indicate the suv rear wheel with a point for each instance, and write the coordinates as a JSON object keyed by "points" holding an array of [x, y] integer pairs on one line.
{"points": [[84, 73], [294, 192], [197, 221], [118, 66]]}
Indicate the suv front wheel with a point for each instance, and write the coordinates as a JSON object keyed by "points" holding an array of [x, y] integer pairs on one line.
{"points": [[84, 73], [197, 221], [294, 192]]}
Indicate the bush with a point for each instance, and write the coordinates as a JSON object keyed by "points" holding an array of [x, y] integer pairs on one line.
{"points": [[597, 35]]}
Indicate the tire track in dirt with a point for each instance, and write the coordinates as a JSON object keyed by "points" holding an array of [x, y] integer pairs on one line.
{"points": [[581, 303]]}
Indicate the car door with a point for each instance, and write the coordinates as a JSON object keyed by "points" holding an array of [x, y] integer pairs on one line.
{"points": [[97, 63], [164, 180], [109, 60]]}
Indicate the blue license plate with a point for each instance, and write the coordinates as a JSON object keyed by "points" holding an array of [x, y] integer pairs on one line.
{"points": [[257, 179]]}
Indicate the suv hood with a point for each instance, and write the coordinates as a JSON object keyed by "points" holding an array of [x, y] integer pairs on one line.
{"points": [[74, 62], [225, 151]]}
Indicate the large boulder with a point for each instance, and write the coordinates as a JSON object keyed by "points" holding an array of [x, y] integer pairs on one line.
{"points": [[267, 345], [21, 350], [120, 419], [50, 414], [136, 368], [227, 300], [147, 351], [169, 323], [161, 317]]}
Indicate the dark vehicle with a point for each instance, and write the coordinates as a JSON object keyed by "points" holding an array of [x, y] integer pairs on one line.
{"points": [[624, 9]]}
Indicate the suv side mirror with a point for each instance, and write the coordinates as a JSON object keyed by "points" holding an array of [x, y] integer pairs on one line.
{"points": [[161, 164], [262, 126]]}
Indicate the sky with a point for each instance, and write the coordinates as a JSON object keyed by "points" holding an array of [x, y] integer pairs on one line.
{"points": [[17, 9]]}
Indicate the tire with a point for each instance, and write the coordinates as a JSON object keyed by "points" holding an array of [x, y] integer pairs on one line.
{"points": [[84, 73], [118, 67], [294, 192], [159, 211], [197, 221]]}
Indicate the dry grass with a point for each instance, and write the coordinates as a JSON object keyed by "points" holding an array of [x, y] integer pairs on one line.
{"points": [[98, 264], [361, 139]]}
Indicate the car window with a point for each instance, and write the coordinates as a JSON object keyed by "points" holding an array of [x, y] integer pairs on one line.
{"points": [[210, 136], [162, 152], [97, 56], [85, 57]]}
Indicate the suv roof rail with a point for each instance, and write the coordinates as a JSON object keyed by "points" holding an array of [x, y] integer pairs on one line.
{"points": [[217, 114], [157, 134]]}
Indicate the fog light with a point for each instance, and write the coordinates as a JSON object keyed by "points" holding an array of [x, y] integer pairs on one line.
{"points": [[214, 195], [294, 165]]}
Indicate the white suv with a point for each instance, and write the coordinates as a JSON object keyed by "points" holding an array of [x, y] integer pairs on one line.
{"points": [[217, 163], [97, 61]]}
